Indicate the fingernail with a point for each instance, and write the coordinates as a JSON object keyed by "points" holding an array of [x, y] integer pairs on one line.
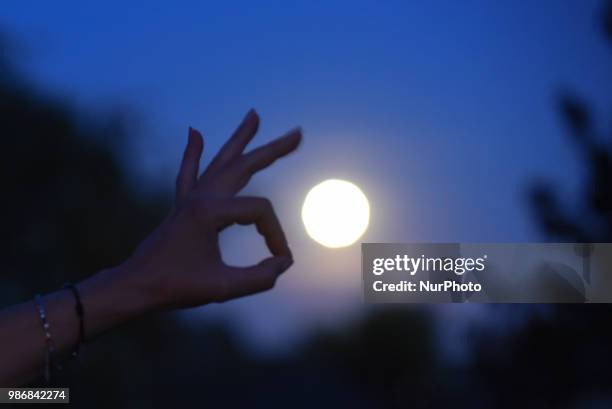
{"points": [[249, 113], [293, 133], [193, 133]]}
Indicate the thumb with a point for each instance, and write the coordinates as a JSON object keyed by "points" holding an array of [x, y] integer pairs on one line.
{"points": [[243, 281]]}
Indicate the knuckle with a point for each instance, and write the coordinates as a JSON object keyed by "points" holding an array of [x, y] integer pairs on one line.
{"points": [[269, 283], [239, 164], [198, 207], [265, 204], [245, 168]]}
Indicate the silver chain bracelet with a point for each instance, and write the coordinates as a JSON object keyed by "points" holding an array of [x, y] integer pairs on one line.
{"points": [[48, 340]]}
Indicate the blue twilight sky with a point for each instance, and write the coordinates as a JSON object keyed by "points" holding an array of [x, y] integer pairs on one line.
{"points": [[442, 111]]}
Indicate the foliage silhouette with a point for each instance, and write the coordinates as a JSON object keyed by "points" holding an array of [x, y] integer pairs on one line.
{"points": [[560, 357], [592, 220]]}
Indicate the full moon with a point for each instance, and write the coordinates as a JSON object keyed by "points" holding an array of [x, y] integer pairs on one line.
{"points": [[336, 213]]}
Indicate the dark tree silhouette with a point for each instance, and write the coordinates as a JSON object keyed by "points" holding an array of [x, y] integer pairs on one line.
{"points": [[68, 211], [591, 221], [561, 357]]}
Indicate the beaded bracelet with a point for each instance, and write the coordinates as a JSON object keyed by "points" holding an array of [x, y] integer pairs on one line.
{"points": [[48, 340]]}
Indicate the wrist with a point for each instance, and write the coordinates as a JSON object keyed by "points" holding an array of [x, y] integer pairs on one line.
{"points": [[111, 297]]}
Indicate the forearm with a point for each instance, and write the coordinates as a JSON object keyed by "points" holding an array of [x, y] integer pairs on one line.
{"points": [[108, 300]]}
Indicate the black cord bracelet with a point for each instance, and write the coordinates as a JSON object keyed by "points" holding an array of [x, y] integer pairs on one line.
{"points": [[80, 314]]}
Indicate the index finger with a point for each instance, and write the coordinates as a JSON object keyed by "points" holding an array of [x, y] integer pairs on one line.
{"points": [[258, 211]]}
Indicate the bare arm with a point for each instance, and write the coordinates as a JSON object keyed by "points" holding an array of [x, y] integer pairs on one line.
{"points": [[179, 265]]}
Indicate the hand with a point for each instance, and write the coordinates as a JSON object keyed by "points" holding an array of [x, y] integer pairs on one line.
{"points": [[179, 264]]}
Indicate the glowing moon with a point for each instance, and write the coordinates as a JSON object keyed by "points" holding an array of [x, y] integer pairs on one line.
{"points": [[336, 213]]}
